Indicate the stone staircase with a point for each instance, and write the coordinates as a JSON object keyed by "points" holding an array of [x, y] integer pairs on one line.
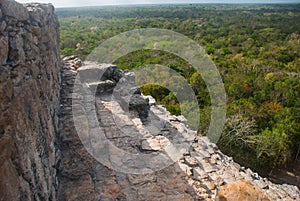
{"points": [[136, 126]]}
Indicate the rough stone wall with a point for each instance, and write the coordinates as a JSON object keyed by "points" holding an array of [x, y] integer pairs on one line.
{"points": [[29, 100]]}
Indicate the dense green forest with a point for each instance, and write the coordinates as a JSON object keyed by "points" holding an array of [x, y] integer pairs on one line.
{"points": [[256, 48]]}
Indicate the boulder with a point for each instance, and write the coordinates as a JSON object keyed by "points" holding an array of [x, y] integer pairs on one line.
{"points": [[240, 190], [102, 87], [140, 105]]}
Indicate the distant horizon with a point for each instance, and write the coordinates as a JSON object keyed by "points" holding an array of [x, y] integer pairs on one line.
{"points": [[90, 3], [157, 4]]}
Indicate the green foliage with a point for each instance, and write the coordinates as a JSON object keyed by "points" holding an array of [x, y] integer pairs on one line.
{"points": [[205, 114], [156, 91], [163, 96], [67, 51], [273, 145], [256, 49]]}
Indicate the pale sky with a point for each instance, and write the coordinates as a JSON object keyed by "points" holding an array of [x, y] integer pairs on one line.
{"points": [[70, 3]]}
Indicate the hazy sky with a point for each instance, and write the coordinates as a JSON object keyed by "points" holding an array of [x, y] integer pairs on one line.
{"points": [[69, 3]]}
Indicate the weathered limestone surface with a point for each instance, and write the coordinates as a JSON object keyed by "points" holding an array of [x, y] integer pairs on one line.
{"points": [[201, 173], [29, 100]]}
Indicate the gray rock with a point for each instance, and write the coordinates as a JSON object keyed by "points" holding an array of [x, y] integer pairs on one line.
{"points": [[199, 174], [3, 49], [191, 161], [2, 26], [141, 179], [261, 184], [210, 185], [151, 100], [92, 72], [185, 168], [182, 119], [14, 9], [207, 167], [200, 156], [140, 105], [228, 177], [102, 87], [152, 144], [16, 53]]}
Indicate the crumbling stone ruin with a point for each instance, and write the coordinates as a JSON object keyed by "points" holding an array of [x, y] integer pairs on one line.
{"points": [[44, 156]]}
